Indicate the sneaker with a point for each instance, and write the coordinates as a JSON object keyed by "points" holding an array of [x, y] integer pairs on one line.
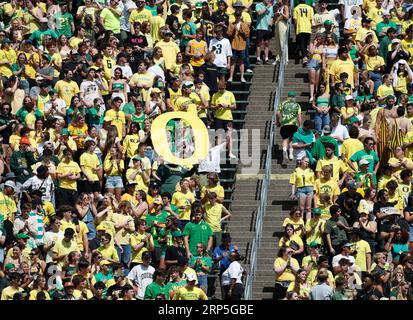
{"points": [[277, 58], [243, 80], [232, 156], [285, 158], [229, 80], [267, 61], [258, 61], [274, 63], [305, 61], [291, 155], [249, 71]]}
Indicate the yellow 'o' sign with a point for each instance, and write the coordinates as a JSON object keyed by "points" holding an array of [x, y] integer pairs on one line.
{"points": [[160, 140]]}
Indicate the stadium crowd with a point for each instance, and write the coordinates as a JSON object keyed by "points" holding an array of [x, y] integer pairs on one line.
{"points": [[88, 210], [350, 235]]}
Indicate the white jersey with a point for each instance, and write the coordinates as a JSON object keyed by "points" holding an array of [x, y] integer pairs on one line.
{"points": [[90, 90], [222, 52], [126, 5], [142, 277], [348, 4], [61, 106], [43, 185]]}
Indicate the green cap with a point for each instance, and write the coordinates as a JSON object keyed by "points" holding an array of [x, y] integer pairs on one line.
{"points": [[316, 211], [410, 100], [198, 5], [9, 266], [22, 235], [52, 90], [292, 93], [137, 157], [313, 244], [6, 40], [47, 56], [354, 119], [64, 131], [328, 22], [390, 96], [178, 233]]}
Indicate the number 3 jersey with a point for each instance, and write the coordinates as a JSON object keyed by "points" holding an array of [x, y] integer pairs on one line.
{"points": [[223, 50]]}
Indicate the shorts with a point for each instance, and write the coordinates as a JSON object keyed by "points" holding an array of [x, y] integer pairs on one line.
{"points": [[222, 70], [238, 55], [113, 182], [304, 192], [314, 64], [222, 124], [263, 35], [288, 131]]}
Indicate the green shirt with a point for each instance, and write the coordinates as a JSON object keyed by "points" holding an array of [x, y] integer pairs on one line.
{"points": [[289, 112], [381, 25], [37, 36], [204, 261], [139, 120], [173, 286], [92, 116], [63, 24], [112, 21], [371, 157], [197, 232], [187, 28], [160, 218], [360, 176], [154, 289]]}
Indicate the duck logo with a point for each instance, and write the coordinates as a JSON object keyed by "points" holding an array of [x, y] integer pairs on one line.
{"points": [[160, 141]]}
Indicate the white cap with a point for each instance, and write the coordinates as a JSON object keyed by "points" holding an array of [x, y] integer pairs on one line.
{"points": [[43, 20], [191, 277], [349, 97], [396, 40], [363, 161], [10, 184]]}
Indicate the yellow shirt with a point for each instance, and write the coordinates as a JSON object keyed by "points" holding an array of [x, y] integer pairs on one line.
{"points": [[408, 45], [72, 145], [138, 180], [383, 182], [66, 90], [339, 66], [303, 16], [213, 216], [296, 224], [89, 162], [5, 69], [245, 16], [197, 47], [287, 243], [373, 62], [329, 187], [143, 79], [314, 227], [130, 144], [336, 163], [361, 34], [227, 98], [351, 146], [57, 60], [118, 120], [403, 190], [195, 294], [288, 274], [7, 207], [108, 64], [9, 292], [65, 168], [30, 119], [383, 91], [376, 15], [180, 199], [122, 236], [408, 138], [135, 239], [77, 294], [219, 190], [302, 178], [169, 51], [140, 16], [157, 23], [30, 70], [115, 171], [401, 85], [187, 104], [108, 253], [64, 248], [33, 294], [363, 248]]}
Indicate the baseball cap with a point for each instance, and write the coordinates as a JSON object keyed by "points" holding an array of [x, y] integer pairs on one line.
{"points": [[25, 140], [198, 5], [137, 158], [69, 285], [316, 211], [10, 184], [291, 93], [328, 23], [396, 40], [187, 84], [146, 255], [6, 40], [385, 13], [154, 184], [327, 130], [349, 97], [363, 162], [348, 245], [353, 119], [322, 259], [177, 233], [390, 96], [100, 228], [131, 184], [52, 91], [9, 266], [313, 244], [351, 184], [105, 263], [191, 277], [22, 235], [65, 131], [156, 90], [43, 20]]}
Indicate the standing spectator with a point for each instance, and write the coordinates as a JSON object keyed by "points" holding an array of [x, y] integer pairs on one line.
{"points": [[142, 275], [232, 278], [322, 291], [303, 17], [285, 268], [265, 15]]}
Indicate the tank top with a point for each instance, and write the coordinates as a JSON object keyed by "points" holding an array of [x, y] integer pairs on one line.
{"points": [[330, 52], [118, 86], [322, 102], [173, 95], [41, 101], [197, 47]]}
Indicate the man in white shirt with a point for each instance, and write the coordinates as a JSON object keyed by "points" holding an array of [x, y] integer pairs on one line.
{"points": [[339, 132], [122, 64], [142, 275], [89, 89], [345, 253], [223, 50], [346, 5], [127, 6], [55, 107]]}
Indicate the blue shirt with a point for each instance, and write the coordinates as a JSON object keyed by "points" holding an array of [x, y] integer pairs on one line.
{"points": [[219, 252], [264, 20]]}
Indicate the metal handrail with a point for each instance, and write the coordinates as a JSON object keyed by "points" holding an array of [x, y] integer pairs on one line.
{"points": [[256, 242]]}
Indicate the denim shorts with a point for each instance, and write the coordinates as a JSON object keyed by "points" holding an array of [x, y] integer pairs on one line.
{"points": [[314, 64], [304, 191], [114, 182]]}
